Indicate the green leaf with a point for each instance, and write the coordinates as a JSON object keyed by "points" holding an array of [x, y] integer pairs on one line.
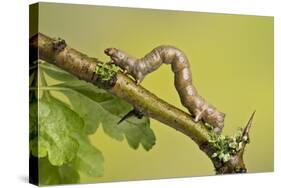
{"points": [[89, 159], [88, 90], [56, 72], [96, 107], [86, 100], [137, 131], [31, 78], [52, 175], [33, 120], [33, 69], [57, 124]]}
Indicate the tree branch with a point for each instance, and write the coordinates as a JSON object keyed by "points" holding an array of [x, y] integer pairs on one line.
{"points": [[58, 53]]}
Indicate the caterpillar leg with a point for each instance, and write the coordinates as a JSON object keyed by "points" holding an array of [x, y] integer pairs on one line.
{"points": [[111, 62], [138, 82], [125, 71], [217, 130], [139, 78], [198, 116]]}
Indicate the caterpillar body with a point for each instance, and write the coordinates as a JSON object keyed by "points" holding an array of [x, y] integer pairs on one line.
{"points": [[139, 68]]}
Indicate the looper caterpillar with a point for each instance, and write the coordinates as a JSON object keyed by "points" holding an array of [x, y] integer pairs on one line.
{"points": [[139, 68]]}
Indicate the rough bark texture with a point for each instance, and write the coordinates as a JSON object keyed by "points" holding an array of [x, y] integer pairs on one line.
{"points": [[58, 53]]}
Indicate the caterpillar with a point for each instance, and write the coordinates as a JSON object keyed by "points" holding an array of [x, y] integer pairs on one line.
{"points": [[165, 54]]}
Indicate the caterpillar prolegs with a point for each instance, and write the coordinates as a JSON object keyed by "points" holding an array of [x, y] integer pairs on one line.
{"points": [[139, 68]]}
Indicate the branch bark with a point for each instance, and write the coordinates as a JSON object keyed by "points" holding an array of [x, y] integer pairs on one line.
{"points": [[58, 53]]}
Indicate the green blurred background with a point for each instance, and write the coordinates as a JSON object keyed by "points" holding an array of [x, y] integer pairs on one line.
{"points": [[232, 64]]}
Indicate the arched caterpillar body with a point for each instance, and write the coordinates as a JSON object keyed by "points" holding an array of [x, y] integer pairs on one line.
{"points": [[139, 68]]}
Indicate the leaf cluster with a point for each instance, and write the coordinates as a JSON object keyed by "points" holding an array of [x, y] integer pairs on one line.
{"points": [[227, 146], [59, 129]]}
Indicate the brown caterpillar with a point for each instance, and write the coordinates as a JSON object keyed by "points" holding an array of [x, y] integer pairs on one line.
{"points": [[138, 68]]}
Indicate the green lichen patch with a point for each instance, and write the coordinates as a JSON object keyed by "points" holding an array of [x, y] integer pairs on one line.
{"points": [[106, 71], [227, 146]]}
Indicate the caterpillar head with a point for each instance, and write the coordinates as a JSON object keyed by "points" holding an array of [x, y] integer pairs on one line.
{"points": [[116, 55]]}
